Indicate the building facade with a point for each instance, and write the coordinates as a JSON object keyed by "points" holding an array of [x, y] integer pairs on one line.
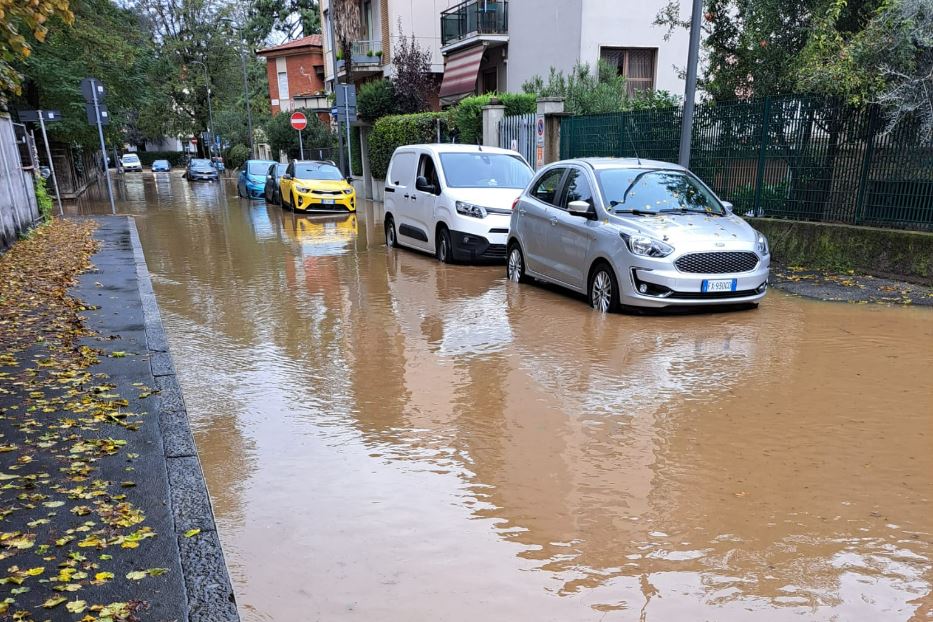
{"points": [[295, 72], [498, 45]]}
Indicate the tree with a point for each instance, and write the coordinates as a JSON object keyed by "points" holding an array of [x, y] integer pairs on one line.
{"points": [[347, 23], [291, 18], [413, 83], [909, 88], [282, 137], [585, 92], [33, 17], [376, 99], [104, 41]]}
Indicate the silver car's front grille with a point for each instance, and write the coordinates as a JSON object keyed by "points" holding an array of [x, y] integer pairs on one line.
{"points": [[717, 263]]}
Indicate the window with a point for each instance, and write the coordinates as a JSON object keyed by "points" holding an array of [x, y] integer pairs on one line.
{"points": [[490, 81], [546, 188], [577, 188], [400, 169], [656, 191], [637, 65], [484, 170], [427, 170], [283, 85], [316, 170]]}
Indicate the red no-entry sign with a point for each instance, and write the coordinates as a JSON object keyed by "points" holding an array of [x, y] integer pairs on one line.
{"points": [[299, 121]]}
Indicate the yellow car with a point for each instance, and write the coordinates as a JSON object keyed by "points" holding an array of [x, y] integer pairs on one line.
{"points": [[314, 186]]}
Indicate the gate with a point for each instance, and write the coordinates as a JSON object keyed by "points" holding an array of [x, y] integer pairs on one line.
{"points": [[517, 132]]}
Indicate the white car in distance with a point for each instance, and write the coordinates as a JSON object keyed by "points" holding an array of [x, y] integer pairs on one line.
{"points": [[454, 201]]}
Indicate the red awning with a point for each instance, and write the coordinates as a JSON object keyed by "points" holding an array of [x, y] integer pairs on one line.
{"points": [[460, 73]]}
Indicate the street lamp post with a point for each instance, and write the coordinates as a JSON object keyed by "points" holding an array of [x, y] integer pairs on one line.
{"points": [[210, 111], [249, 112]]}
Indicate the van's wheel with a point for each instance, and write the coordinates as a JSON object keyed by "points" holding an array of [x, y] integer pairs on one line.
{"points": [[443, 246], [603, 291], [391, 239], [515, 265]]}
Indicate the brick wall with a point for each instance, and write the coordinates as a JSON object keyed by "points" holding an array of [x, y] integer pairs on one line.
{"points": [[302, 76]]}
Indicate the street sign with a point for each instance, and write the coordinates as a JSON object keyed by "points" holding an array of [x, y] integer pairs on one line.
{"points": [[33, 115], [339, 114], [92, 117], [87, 90], [299, 121], [346, 96]]}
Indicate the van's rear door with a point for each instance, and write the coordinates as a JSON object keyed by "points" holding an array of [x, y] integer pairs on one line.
{"points": [[400, 184]]}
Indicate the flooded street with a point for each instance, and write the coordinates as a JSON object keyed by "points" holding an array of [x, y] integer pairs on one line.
{"points": [[387, 438]]}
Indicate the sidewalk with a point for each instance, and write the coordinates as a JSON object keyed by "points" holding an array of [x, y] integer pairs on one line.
{"points": [[104, 513]]}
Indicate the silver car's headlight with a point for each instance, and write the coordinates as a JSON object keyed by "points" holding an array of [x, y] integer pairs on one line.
{"points": [[761, 244], [646, 247], [468, 209]]}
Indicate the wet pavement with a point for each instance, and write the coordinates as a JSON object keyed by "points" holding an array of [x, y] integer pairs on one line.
{"points": [[388, 438]]}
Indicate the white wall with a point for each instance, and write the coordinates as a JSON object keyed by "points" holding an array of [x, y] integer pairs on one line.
{"points": [[616, 23], [423, 19], [542, 34]]}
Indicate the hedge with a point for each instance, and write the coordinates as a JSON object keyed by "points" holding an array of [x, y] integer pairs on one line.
{"points": [[175, 158], [467, 116], [356, 159], [406, 129]]}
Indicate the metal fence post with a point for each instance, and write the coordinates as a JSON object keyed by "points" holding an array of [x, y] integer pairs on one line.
{"points": [[762, 156], [866, 164]]}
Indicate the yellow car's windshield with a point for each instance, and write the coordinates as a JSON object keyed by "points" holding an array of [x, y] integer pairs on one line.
{"points": [[318, 171]]}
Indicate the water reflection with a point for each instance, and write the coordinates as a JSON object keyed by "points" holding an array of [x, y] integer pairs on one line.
{"points": [[389, 438]]}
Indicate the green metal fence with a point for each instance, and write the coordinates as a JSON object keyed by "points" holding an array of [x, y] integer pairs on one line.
{"points": [[805, 158]]}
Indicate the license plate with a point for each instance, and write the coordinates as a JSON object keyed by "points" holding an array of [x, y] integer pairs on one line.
{"points": [[327, 201], [720, 285]]}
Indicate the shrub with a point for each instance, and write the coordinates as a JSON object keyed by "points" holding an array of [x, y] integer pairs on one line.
{"points": [[175, 158], [236, 156], [43, 199], [356, 157], [392, 132], [595, 92], [282, 137], [376, 100], [467, 116]]}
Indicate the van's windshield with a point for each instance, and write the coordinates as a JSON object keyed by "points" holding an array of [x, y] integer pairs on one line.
{"points": [[485, 170]]}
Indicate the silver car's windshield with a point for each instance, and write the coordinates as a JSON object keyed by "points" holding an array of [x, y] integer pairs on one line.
{"points": [[485, 170], [637, 191], [197, 162]]}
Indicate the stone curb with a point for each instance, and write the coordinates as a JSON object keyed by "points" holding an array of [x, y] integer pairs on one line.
{"points": [[207, 581]]}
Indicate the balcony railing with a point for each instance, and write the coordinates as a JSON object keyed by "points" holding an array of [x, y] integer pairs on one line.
{"points": [[474, 17], [367, 51]]}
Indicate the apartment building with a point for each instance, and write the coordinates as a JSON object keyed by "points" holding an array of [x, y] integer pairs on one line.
{"points": [[497, 45], [295, 71], [383, 21]]}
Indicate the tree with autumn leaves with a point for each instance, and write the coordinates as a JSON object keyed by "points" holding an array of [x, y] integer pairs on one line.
{"points": [[20, 17]]}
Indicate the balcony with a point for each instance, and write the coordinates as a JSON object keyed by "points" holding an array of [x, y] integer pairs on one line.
{"points": [[367, 56], [475, 19]]}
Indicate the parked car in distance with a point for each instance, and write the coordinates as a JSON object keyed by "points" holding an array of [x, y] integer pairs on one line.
{"points": [[638, 233], [161, 166], [131, 162], [453, 201], [200, 168], [251, 182], [316, 186], [271, 191]]}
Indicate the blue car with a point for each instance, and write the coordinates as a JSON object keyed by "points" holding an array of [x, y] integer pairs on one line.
{"points": [[251, 182]]}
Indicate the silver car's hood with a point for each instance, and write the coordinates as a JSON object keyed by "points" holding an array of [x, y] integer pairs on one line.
{"points": [[690, 230]]}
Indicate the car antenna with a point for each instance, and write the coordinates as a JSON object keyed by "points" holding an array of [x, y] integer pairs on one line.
{"points": [[632, 140]]}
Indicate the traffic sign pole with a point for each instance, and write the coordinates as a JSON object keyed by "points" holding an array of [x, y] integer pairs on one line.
{"points": [[48, 154], [299, 122], [301, 145], [103, 147], [346, 120]]}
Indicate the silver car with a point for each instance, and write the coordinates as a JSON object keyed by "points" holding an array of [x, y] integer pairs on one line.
{"points": [[638, 233]]}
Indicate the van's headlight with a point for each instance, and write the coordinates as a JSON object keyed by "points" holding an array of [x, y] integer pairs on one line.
{"points": [[646, 247], [468, 209], [762, 244], [302, 189]]}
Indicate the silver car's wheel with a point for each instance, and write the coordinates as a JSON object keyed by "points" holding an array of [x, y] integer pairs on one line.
{"points": [[515, 268], [604, 293]]}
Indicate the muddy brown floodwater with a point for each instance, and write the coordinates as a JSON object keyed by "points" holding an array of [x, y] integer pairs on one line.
{"points": [[390, 439]]}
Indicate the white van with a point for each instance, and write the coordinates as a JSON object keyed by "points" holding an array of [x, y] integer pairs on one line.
{"points": [[454, 201]]}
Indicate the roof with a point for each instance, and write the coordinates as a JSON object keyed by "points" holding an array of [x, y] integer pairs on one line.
{"points": [[604, 163], [297, 44], [458, 148]]}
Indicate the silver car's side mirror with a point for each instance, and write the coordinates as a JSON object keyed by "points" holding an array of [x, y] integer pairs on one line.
{"points": [[728, 205], [578, 208]]}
